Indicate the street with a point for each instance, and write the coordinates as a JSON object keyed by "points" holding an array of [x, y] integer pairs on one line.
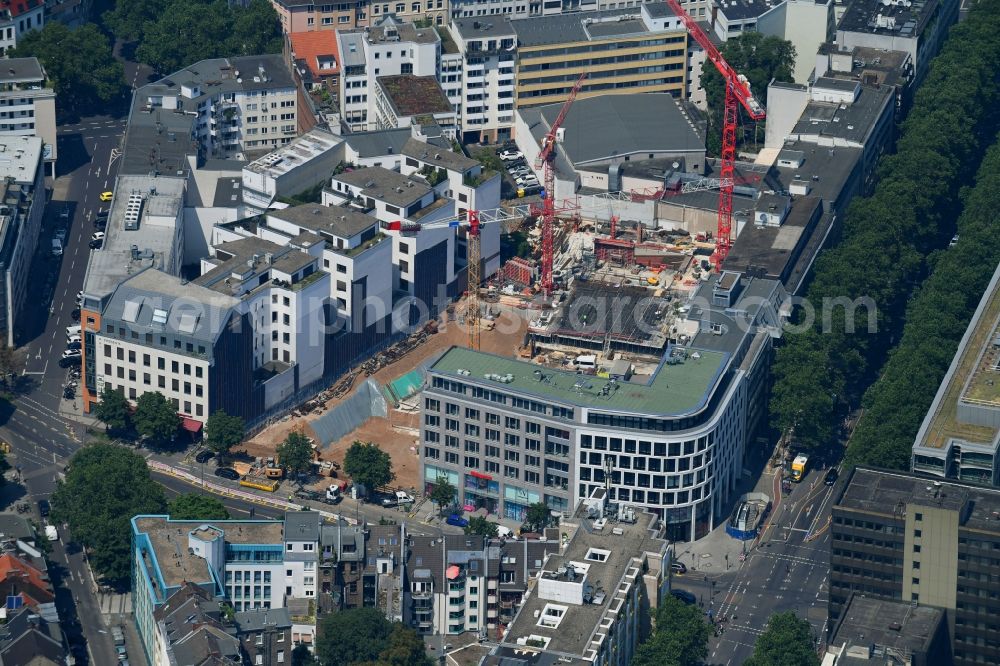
{"points": [[787, 570]]}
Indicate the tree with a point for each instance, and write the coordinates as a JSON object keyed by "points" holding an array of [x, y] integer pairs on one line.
{"points": [[758, 57], [352, 636], [787, 641], [210, 30], [301, 656], [680, 639], [405, 648], [223, 432], [443, 494], [79, 62], [538, 516], [481, 526], [295, 453], [368, 465], [156, 418], [130, 18], [105, 486], [114, 410], [195, 506], [11, 364]]}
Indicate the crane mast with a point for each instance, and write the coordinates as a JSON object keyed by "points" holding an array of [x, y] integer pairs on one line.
{"points": [[737, 94], [544, 160]]}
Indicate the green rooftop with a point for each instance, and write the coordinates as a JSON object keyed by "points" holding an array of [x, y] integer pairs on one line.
{"points": [[675, 389]]}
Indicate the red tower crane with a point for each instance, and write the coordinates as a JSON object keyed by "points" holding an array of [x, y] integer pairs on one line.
{"points": [[737, 92], [544, 160]]}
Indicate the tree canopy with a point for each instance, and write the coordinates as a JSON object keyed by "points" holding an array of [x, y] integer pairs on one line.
{"points": [[223, 432], [680, 638], [538, 517], [80, 64], [368, 465], [196, 506], [481, 526], [114, 410], [758, 57], [443, 493], [889, 244], [105, 486], [787, 641], [156, 418], [176, 33], [363, 636], [935, 320], [295, 453]]}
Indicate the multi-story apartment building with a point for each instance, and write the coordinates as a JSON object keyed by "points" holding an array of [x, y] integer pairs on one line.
{"points": [[513, 433], [917, 28], [590, 600], [807, 24], [234, 105], [249, 564], [22, 185], [390, 48], [27, 107], [466, 583], [17, 18], [960, 435], [265, 636], [245, 336], [301, 16], [641, 49], [934, 543], [487, 49]]}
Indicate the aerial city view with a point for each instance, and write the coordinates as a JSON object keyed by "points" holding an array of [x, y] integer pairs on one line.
{"points": [[500, 333]]}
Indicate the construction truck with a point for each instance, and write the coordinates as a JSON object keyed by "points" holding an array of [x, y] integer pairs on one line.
{"points": [[799, 467]]}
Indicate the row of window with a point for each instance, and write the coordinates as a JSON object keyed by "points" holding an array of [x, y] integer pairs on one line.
{"points": [[148, 338], [131, 393]]}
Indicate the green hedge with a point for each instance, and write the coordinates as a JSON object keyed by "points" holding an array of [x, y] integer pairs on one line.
{"points": [[888, 237]]}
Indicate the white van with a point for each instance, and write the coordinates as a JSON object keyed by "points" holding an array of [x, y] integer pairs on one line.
{"points": [[588, 362], [57, 247], [73, 330]]}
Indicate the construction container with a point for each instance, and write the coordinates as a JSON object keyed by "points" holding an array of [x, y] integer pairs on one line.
{"points": [[260, 483]]}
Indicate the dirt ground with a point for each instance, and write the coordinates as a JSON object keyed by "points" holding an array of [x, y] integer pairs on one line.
{"points": [[399, 433]]}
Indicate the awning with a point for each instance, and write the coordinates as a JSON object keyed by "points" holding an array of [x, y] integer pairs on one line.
{"points": [[453, 572], [480, 475], [190, 424]]}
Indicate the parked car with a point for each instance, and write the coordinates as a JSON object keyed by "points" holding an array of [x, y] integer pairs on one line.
{"points": [[526, 181], [75, 314], [519, 172], [457, 520], [204, 456], [678, 568], [43, 508], [74, 336], [831, 476], [73, 346], [96, 244], [71, 353], [508, 155], [227, 473], [64, 213], [70, 361], [57, 247], [399, 497], [97, 236], [684, 596]]}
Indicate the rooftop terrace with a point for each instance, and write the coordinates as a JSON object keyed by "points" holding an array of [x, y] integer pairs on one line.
{"points": [[674, 389]]}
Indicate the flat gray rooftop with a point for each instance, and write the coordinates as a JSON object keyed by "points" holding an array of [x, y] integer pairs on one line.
{"points": [[157, 232], [579, 26], [169, 541], [439, 157], [880, 491], [384, 185], [904, 627], [775, 250], [21, 70], [852, 122], [337, 220], [483, 28], [295, 154]]}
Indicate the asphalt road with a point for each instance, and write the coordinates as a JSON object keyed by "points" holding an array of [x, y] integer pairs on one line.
{"points": [[785, 572], [41, 440]]}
